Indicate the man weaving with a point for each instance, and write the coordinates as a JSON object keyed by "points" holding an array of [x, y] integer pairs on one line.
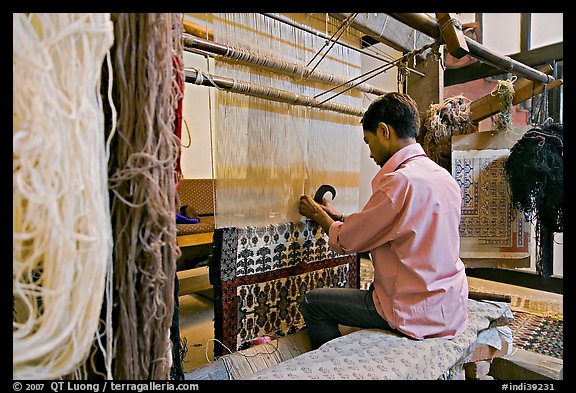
{"points": [[410, 227]]}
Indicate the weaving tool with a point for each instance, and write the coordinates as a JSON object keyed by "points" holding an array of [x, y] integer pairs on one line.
{"points": [[323, 189]]}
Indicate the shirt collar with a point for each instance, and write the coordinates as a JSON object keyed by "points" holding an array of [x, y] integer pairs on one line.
{"points": [[406, 153]]}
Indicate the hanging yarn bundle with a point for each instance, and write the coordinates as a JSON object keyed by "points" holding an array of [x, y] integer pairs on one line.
{"points": [[439, 123], [143, 174], [505, 88], [534, 172], [62, 237]]}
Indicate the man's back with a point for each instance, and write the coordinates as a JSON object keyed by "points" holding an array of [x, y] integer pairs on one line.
{"points": [[410, 226]]}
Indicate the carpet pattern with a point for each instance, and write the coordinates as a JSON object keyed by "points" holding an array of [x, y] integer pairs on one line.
{"points": [[261, 274], [538, 333], [488, 222]]}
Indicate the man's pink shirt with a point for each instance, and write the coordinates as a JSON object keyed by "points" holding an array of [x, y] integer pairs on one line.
{"points": [[410, 226]]}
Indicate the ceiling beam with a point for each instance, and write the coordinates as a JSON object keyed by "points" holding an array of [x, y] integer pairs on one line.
{"points": [[384, 28], [533, 58], [430, 26]]}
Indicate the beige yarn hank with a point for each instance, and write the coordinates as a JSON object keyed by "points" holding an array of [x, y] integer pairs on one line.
{"points": [[143, 184], [61, 227], [440, 122], [505, 89]]}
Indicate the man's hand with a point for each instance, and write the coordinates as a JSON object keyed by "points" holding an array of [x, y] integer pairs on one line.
{"points": [[328, 208], [308, 207], [314, 211]]}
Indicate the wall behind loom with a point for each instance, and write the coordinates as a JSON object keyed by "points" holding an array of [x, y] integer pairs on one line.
{"points": [[198, 122]]}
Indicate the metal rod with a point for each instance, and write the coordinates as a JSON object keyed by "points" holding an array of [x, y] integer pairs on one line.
{"points": [[430, 26], [379, 70], [338, 33]]}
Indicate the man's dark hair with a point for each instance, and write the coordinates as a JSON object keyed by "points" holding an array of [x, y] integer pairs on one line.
{"points": [[397, 109]]}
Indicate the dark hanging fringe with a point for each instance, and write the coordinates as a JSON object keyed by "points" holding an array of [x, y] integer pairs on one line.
{"points": [[179, 348], [534, 172]]}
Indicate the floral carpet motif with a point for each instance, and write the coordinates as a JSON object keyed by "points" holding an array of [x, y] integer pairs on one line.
{"points": [[538, 333], [261, 274]]}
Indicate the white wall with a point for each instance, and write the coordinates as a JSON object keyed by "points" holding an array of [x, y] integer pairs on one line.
{"points": [[559, 254], [548, 29], [198, 120], [501, 32]]}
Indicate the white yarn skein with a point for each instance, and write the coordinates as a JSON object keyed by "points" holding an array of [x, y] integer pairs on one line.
{"points": [[62, 236]]}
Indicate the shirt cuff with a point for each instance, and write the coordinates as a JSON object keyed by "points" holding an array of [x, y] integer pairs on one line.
{"points": [[333, 233]]}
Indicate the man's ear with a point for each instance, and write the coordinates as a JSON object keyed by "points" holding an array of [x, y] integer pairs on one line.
{"points": [[383, 130]]}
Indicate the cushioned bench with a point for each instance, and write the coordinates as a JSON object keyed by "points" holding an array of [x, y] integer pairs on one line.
{"points": [[197, 194], [195, 240], [376, 354]]}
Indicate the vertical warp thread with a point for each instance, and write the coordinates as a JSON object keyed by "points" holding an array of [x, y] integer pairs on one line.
{"points": [[269, 153], [143, 183]]}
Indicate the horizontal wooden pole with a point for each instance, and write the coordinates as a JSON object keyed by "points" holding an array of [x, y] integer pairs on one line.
{"points": [[475, 295], [524, 279], [197, 30], [489, 105], [430, 26], [272, 63], [266, 92]]}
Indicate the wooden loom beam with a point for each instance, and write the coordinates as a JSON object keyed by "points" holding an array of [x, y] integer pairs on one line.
{"points": [[197, 77], [283, 19], [191, 42], [524, 89], [197, 30], [430, 26], [452, 35], [382, 28]]}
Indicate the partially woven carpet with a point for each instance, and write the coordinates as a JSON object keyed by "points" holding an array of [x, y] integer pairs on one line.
{"points": [[261, 274], [538, 333]]}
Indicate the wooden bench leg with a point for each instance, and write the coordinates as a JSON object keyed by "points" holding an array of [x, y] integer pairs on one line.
{"points": [[478, 370], [193, 280]]}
